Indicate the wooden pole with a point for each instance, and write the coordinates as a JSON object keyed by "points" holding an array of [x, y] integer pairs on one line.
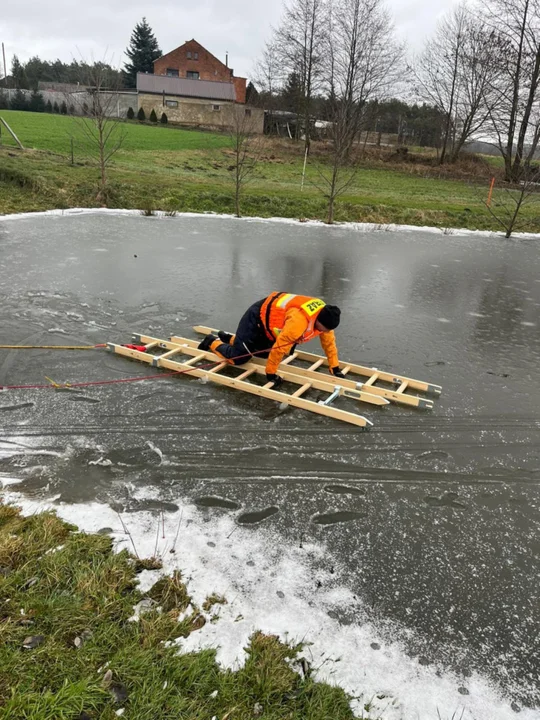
{"points": [[490, 193], [19, 143], [72, 153], [304, 170]]}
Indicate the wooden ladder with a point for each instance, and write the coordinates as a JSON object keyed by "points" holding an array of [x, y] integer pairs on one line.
{"points": [[359, 377], [167, 354]]}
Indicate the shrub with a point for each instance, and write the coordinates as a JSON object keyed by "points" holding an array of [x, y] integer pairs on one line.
{"points": [[85, 109], [18, 101], [63, 108], [72, 109], [48, 107], [56, 109], [164, 119], [37, 103], [153, 116], [130, 113], [141, 116], [4, 102]]}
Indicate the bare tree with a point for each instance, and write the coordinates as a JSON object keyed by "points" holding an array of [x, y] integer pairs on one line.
{"points": [[247, 145], [507, 204], [269, 71], [299, 43], [455, 73], [97, 114], [516, 24], [365, 62]]}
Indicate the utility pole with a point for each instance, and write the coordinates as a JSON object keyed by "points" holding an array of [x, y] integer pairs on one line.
{"points": [[4, 56]]}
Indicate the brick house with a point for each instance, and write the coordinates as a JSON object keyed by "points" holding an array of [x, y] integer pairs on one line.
{"points": [[194, 88]]}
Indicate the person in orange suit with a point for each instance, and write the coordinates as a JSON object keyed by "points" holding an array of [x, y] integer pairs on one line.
{"points": [[273, 326]]}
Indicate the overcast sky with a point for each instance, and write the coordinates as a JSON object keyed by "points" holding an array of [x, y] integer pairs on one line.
{"points": [[75, 29]]}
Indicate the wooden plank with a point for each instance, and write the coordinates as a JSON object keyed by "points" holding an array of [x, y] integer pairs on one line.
{"points": [[357, 369], [316, 365], [373, 379], [290, 373], [402, 387], [19, 143], [278, 396]]}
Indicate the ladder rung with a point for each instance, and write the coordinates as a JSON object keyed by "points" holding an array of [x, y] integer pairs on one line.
{"points": [[289, 359], [302, 390], [194, 360], [402, 387], [372, 379], [218, 367], [169, 354], [346, 369], [316, 365], [245, 374]]}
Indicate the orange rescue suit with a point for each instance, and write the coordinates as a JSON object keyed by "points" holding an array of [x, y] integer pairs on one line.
{"points": [[290, 319]]}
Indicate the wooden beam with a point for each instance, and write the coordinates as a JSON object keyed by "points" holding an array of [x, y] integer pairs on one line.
{"points": [[19, 143]]}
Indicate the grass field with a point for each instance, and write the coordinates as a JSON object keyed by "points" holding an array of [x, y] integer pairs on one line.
{"points": [[69, 650], [163, 168]]}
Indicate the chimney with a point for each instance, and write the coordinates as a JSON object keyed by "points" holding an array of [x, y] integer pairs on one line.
{"points": [[227, 58]]}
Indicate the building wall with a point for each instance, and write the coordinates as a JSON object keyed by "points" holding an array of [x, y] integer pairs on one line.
{"points": [[207, 65], [195, 112], [117, 104]]}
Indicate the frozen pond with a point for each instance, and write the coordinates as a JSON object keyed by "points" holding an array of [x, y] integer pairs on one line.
{"points": [[432, 519]]}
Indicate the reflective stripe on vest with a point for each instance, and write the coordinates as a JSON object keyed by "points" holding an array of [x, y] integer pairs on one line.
{"points": [[277, 303]]}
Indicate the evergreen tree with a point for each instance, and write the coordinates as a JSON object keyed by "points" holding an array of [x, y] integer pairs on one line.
{"points": [[153, 116], [141, 115], [17, 73], [36, 103], [252, 94], [56, 109], [142, 51], [293, 93], [72, 109], [48, 107], [18, 101], [63, 108], [164, 119], [4, 101], [130, 113]]}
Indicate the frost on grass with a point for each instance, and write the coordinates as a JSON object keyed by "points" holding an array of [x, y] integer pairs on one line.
{"points": [[89, 642]]}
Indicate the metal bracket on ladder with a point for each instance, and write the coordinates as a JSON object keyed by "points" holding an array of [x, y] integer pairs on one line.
{"points": [[334, 396]]}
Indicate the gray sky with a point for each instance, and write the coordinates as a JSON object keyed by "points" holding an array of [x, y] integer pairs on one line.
{"points": [[69, 29]]}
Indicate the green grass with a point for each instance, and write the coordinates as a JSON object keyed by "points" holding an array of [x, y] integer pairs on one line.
{"points": [[61, 584], [161, 168], [43, 131]]}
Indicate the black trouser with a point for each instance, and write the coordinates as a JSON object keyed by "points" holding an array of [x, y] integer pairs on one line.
{"points": [[250, 338]]}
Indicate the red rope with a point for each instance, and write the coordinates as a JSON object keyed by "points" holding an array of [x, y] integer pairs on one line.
{"points": [[93, 383]]}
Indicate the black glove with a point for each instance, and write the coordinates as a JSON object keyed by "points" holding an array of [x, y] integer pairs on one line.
{"points": [[336, 372], [274, 379]]}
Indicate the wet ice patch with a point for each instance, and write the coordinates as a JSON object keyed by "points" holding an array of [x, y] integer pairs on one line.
{"points": [[443, 320], [525, 323]]}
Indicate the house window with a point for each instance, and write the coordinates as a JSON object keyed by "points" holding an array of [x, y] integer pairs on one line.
{"points": [[188, 54], [195, 56], [192, 75], [216, 108], [171, 103], [171, 72], [248, 112]]}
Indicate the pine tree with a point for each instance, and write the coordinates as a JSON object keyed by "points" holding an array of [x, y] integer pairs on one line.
{"points": [[63, 108], [164, 119], [56, 107], [142, 51], [48, 107], [37, 103], [252, 94], [18, 74], [141, 115], [153, 116], [130, 113], [19, 101]]}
